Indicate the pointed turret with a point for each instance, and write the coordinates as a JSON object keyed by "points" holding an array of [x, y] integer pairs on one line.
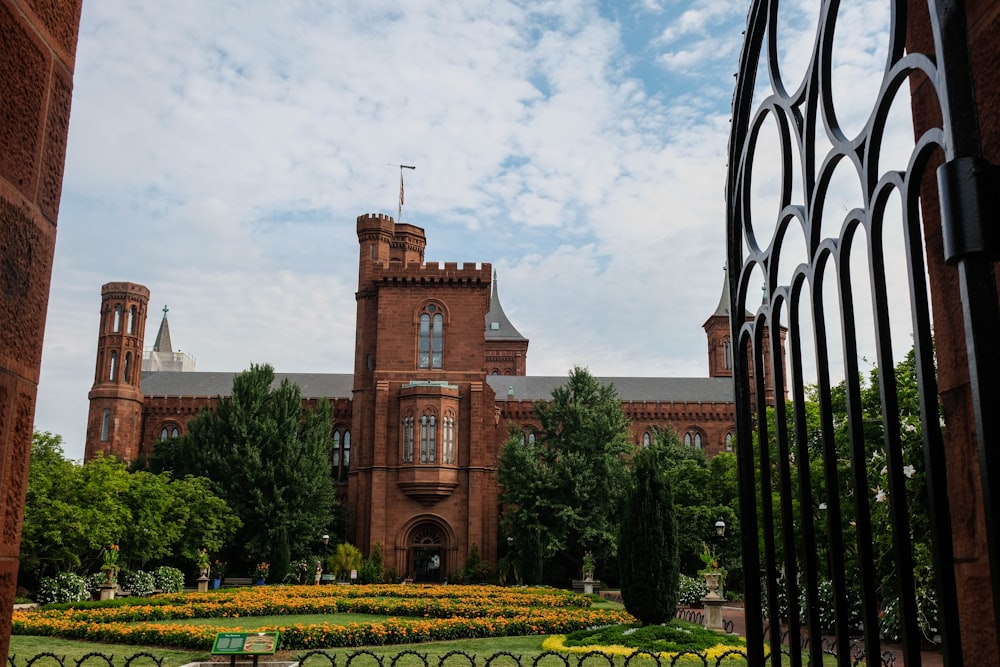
{"points": [[720, 347], [162, 342], [506, 348]]}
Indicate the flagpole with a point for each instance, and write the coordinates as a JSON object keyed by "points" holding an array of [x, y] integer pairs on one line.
{"points": [[399, 210]]}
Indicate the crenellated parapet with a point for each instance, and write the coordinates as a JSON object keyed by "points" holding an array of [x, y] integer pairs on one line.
{"points": [[471, 273]]}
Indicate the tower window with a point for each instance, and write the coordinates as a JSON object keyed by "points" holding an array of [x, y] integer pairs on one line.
{"points": [[646, 439], [116, 326], [127, 369], [340, 456], [431, 337], [727, 353], [730, 442], [131, 320], [448, 439], [428, 438], [105, 424], [408, 439], [113, 372]]}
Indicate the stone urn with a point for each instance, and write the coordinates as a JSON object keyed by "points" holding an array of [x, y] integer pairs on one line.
{"points": [[713, 581]]}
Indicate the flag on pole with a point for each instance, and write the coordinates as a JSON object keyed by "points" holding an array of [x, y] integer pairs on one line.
{"points": [[401, 188]]}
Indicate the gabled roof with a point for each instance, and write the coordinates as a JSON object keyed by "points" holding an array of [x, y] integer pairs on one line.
{"points": [[498, 327]]}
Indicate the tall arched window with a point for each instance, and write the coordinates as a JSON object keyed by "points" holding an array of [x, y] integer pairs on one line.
{"points": [[105, 424], [727, 353], [169, 431], [448, 439], [131, 320], [646, 439], [431, 337], [408, 439], [730, 442], [113, 373], [428, 438], [340, 456], [127, 368], [117, 322]]}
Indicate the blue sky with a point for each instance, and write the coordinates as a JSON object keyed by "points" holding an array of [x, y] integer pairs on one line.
{"points": [[219, 153]]}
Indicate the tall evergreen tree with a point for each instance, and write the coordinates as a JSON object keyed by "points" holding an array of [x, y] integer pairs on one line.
{"points": [[562, 493], [269, 459], [647, 546]]}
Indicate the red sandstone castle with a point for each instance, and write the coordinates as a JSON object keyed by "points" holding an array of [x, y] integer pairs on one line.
{"points": [[439, 375]]}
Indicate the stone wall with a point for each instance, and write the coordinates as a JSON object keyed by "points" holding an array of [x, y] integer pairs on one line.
{"points": [[37, 56]]}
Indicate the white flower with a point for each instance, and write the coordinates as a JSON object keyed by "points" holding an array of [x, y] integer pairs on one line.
{"points": [[880, 495], [885, 470], [908, 470]]}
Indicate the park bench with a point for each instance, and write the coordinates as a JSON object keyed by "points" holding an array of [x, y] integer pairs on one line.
{"points": [[235, 582]]}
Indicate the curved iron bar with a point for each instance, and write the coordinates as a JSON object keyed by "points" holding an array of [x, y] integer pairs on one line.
{"points": [[447, 656], [546, 654], [595, 654], [685, 654], [728, 625], [504, 654], [635, 655], [806, 115], [46, 654], [157, 661], [357, 654], [422, 656], [305, 656], [106, 658]]}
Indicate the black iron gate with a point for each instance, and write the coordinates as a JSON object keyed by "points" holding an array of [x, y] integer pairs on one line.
{"points": [[843, 489]]}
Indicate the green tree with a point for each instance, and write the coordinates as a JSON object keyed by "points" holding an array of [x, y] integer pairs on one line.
{"points": [[269, 458], [562, 494], [73, 512], [647, 545]]}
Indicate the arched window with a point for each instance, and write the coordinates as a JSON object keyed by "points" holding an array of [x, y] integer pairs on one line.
{"points": [[727, 353], [693, 438], [646, 439], [105, 424], [340, 456], [174, 433], [531, 437], [408, 439], [113, 373], [131, 320], [428, 438], [117, 322], [127, 368], [169, 431], [730, 442], [448, 439], [523, 438], [431, 337]]}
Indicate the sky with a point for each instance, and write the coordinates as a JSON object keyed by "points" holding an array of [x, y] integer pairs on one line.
{"points": [[220, 152]]}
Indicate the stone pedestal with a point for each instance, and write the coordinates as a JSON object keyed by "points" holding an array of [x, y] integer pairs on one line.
{"points": [[588, 585], [107, 592], [713, 612], [202, 584]]}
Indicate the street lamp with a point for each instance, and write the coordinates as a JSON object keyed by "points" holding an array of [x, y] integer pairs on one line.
{"points": [[720, 528]]}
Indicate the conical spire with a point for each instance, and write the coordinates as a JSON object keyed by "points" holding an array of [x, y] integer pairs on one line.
{"points": [[723, 308], [498, 327], [162, 342]]}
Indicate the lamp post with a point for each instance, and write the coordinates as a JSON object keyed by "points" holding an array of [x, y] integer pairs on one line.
{"points": [[713, 601]]}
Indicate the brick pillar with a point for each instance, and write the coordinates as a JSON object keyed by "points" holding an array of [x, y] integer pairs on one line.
{"points": [[969, 530], [37, 52]]}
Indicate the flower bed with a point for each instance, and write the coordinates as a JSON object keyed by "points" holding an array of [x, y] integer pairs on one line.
{"points": [[428, 613]]}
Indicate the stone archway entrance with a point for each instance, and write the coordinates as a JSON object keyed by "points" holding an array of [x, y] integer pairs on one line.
{"points": [[426, 554]]}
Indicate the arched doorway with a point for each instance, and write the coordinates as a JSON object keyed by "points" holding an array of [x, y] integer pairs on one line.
{"points": [[427, 553]]}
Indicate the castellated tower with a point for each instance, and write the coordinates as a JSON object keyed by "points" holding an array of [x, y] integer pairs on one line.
{"points": [[115, 420]]}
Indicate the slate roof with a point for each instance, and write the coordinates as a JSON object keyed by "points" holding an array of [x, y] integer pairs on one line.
{"points": [[695, 390], [498, 327], [177, 383], [530, 388]]}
